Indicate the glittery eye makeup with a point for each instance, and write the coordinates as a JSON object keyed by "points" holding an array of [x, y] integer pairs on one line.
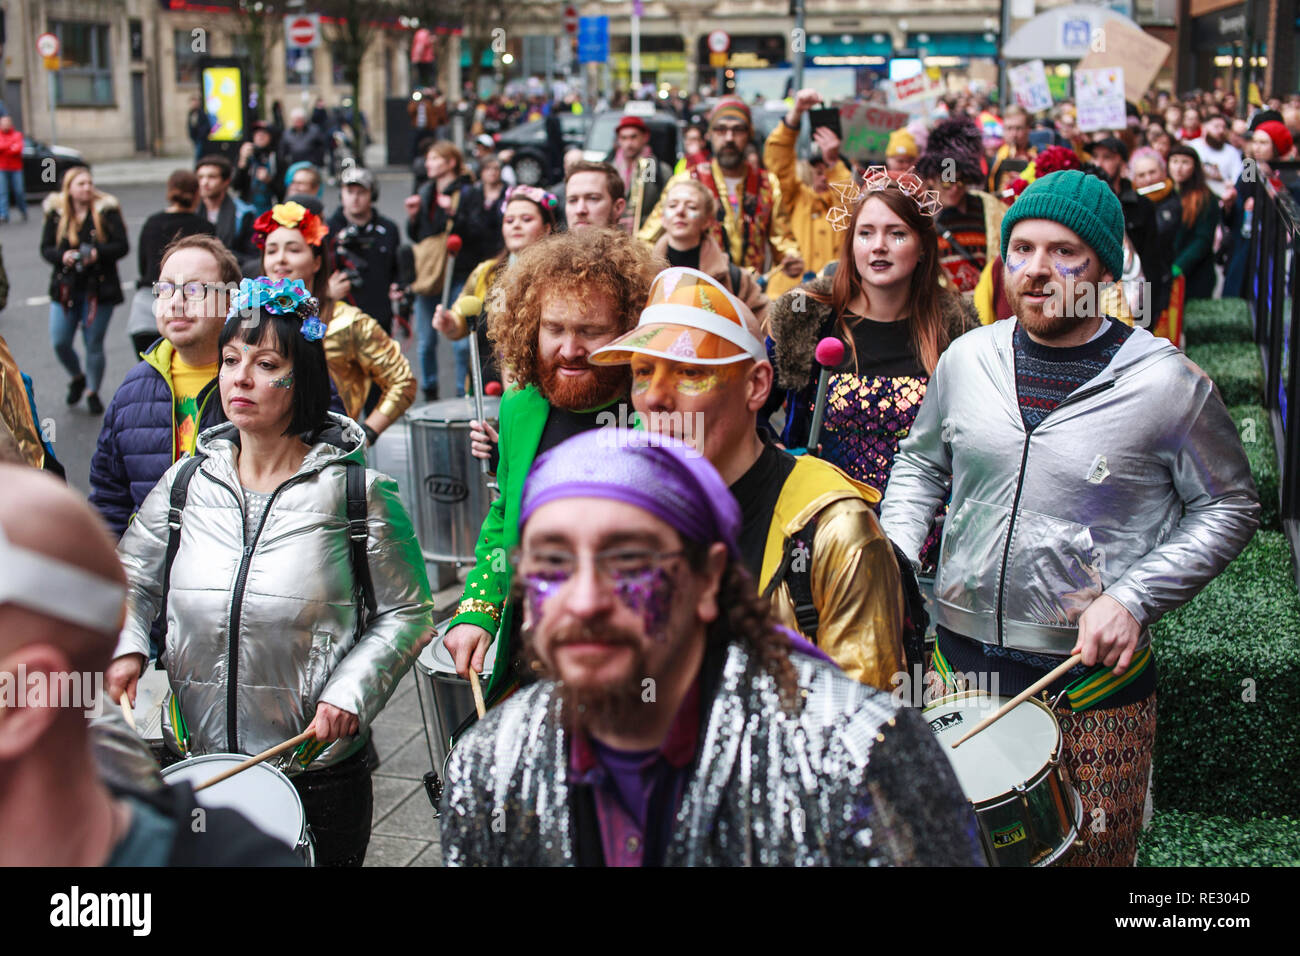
{"points": [[1015, 265], [700, 384], [283, 382], [648, 594], [641, 384], [1068, 272]]}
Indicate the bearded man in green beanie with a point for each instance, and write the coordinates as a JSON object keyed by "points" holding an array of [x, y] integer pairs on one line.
{"points": [[1098, 483]]}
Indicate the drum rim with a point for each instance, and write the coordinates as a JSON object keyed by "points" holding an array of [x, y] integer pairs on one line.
{"points": [[284, 778], [1034, 779], [439, 632]]}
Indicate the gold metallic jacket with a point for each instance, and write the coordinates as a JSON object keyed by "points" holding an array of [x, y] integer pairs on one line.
{"points": [[359, 352], [854, 575], [15, 410]]}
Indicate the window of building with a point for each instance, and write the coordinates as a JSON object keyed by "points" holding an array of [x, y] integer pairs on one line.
{"points": [[85, 74], [187, 60], [336, 59]]}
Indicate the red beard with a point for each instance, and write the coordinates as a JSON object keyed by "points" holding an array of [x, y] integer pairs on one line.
{"points": [[597, 387]]}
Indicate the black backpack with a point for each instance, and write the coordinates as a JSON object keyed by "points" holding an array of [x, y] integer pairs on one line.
{"points": [[357, 533], [797, 574]]}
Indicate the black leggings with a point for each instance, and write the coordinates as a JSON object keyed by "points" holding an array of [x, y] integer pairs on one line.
{"points": [[339, 802]]}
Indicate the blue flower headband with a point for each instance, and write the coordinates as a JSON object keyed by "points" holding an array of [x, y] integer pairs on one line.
{"points": [[279, 297]]}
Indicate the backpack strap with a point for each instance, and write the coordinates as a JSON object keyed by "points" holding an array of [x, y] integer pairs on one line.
{"points": [[180, 491], [358, 532], [733, 272], [916, 620], [796, 571]]}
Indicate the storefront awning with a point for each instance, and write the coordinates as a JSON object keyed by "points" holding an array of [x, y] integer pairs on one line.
{"points": [[954, 44], [1064, 33]]}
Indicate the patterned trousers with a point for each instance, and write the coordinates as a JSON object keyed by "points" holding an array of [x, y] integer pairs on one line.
{"points": [[1108, 753]]}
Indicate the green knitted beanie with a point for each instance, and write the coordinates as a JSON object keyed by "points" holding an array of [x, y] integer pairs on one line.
{"points": [[1081, 203]]}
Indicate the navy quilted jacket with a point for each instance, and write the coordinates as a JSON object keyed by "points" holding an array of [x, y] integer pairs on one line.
{"points": [[136, 442]]}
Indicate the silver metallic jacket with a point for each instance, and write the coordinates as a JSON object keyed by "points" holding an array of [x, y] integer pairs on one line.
{"points": [[1135, 486], [255, 640], [854, 778]]}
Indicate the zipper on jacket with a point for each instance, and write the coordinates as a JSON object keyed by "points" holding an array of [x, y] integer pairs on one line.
{"points": [[1015, 503], [236, 608]]}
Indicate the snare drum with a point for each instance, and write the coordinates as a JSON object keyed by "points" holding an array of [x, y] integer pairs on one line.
{"points": [[446, 699], [261, 793], [1027, 809], [451, 494]]}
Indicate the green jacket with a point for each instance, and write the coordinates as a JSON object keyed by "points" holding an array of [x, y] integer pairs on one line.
{"points": [[1193, 248], [523, 415]]}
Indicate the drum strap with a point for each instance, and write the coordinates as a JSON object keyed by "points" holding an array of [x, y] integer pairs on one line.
{"points": [[1091, 689]]}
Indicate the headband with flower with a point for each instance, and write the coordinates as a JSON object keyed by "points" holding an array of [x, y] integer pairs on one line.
{"points": [[287, 297], [876, 179], [540, 196], [290, 215]]}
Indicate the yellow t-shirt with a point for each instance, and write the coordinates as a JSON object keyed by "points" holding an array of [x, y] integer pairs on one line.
{"points": [[187, 382]]}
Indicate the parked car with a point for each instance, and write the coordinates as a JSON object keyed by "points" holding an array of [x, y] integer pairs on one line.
{"points": [[44, 166], [665, 135], [528, 140]]}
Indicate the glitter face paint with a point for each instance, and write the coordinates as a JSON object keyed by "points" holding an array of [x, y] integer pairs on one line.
{"points": [[285, 382], [1014, 267], [648, 594], [683, 384], [1067, 272]]}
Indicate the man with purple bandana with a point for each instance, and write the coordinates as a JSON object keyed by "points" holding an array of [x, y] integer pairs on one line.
{"points": [[669, 697]]}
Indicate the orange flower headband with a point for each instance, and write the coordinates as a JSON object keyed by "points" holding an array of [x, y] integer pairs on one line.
{"points": [[877, 178], [290, 215]]}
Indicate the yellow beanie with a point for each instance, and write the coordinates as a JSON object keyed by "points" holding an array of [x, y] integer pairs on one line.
{"points": [[901, 143]]}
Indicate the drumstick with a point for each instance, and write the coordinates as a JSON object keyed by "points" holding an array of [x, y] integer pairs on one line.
{"points": [[1020, 698], [253, 761], [125, 704], [478, 693]]}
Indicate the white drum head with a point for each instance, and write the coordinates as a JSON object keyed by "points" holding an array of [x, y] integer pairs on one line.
{"points": [[435, 660], [261, 793], [1000, 757]]}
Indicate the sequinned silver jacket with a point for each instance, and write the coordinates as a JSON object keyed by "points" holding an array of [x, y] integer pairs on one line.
{"points": [[1135, 486], [855, 778], [255, 640]]}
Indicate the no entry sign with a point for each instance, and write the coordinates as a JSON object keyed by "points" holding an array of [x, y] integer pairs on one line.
{"points": [[302, 31]]}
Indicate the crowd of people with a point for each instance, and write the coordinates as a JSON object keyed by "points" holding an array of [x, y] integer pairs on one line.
{"points": [[848, 381]]}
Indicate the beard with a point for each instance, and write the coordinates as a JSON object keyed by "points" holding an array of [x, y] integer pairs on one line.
{"points": [[1036, 318], [596, 387], [729, 157], [610, 707], [1214, 142]]}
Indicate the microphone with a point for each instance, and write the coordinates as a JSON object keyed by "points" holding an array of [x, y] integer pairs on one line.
{"points": [[830, 353], [453, 249]]}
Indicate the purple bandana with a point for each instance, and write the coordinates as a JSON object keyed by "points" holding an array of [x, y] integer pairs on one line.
{"points": [[658, 474]]}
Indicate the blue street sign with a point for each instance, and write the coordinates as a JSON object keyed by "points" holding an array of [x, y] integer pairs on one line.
{"points": [[593, 39]]}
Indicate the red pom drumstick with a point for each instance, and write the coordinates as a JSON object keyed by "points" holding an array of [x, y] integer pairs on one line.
{"points": [[830, 353]]}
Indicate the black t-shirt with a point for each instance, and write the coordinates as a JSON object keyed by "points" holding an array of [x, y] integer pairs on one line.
{"points": [[562, 424], [689, 258], [757, 491], [884, 349]]}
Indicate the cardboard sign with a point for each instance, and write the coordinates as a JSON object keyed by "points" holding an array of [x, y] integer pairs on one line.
{"points": [[1029, 86], [1138, 54], [919, 87], [867, 128], [1099, 96]]}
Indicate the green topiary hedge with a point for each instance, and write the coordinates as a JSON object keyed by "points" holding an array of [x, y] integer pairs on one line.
{"points": [[1234, 367], [1253, 425], [1175, 838], [1229, 667], [1217, 320]]}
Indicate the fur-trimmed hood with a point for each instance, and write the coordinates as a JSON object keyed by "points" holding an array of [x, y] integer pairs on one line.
{"points": [[796, 331], [103, 203]]}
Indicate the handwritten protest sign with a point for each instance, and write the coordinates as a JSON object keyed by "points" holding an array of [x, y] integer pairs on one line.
{"points": [[866, 129], [1099, 95], [1029, 86]]}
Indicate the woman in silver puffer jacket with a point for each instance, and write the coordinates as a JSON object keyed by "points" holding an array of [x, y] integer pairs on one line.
{"points": [[263, 637]]}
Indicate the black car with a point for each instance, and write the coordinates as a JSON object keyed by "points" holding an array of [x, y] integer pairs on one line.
{"points": [[528, 140], [44, 166], [665, 135]]}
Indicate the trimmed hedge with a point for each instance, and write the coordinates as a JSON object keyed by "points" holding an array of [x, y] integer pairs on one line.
{"points": [[1208, 321], [1174, 838], [1229, 665], [1253, 422], [1235, 368]]}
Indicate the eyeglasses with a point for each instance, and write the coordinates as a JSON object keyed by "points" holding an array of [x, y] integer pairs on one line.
{"points": [[191, 290], [621, 565]]}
